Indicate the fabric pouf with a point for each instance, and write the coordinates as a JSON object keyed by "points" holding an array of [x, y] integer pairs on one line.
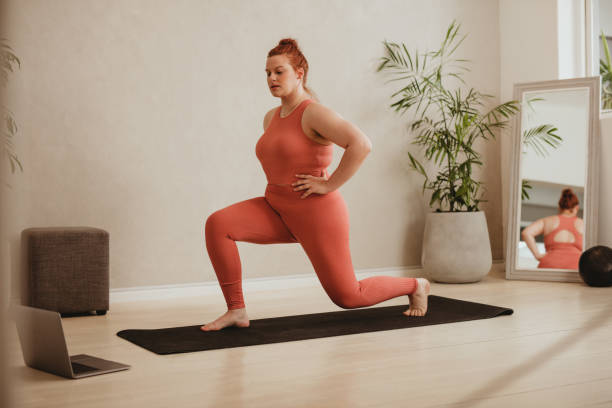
{"points": [[67, 269]]}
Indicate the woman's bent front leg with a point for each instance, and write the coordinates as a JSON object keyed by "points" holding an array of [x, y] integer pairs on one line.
{"points": [[254, 221]]}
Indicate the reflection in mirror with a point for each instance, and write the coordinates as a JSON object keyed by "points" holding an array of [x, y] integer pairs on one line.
{"points": [[552, 213], [554, 129]]}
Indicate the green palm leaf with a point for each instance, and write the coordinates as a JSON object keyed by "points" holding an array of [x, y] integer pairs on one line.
{"points": [[605, 70], [540, 136], [447, 122]]}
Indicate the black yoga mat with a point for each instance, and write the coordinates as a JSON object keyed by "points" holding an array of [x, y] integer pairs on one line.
{"points": [[309, 326]]}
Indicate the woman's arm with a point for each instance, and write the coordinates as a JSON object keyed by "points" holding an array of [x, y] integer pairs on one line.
{"points": [[529, 234], [333, 127]]}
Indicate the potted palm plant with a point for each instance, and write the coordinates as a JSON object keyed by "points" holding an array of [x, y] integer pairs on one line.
{"points": [[447, 123]]}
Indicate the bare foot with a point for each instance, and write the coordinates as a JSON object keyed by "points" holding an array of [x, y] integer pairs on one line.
{"points": [[418, 300], [234, 317]]}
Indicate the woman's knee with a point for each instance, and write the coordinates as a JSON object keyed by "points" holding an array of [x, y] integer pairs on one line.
{"points": [[215, 222], [229, 217], [346, 301]]}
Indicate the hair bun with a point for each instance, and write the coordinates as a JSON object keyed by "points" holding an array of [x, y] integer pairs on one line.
{"points": [[568, 199], [288, 41]]}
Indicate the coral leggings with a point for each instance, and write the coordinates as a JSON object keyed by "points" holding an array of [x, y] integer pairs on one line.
{"points": [[318, 222]]}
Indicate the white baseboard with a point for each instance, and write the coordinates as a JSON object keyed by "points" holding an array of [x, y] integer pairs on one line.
{"points": [[248, 285], [254, 284]]}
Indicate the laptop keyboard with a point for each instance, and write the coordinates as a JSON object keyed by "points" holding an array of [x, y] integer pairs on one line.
{"points": [[78, 368]]}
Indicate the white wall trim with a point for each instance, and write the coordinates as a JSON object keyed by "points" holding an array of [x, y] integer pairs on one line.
{"points": [[592, 32], [571, 44], [254, 284]]}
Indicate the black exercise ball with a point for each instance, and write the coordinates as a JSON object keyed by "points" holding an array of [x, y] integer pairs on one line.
{"points": [[595, 266]]}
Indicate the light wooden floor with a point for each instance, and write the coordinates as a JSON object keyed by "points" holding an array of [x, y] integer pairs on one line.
{"points": [[555, 350]]}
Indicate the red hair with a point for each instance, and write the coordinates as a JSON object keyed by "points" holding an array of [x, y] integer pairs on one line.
{"points": [[568, 199], [290, 48]]}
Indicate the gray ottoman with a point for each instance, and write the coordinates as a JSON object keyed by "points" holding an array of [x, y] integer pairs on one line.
{"points": [[67, 269]]}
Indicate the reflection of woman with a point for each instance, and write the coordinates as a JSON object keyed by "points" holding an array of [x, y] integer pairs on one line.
{"points": [[562, 235], [301, 203]]}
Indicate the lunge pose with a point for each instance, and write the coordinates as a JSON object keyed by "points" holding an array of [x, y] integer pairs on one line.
{"points": [[301, 203]]}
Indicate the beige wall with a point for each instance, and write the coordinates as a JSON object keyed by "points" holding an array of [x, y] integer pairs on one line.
{"points": [[605, 181], [528, 52], [6, 400], [141, 117]]}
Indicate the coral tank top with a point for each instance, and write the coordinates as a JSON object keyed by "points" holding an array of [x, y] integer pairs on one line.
{"points": [[562, 255], [284, 150]]}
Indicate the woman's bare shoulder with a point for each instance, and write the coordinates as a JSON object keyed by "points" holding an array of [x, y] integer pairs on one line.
{"points": [[316, 108], [268, 117], [551, 219], [321, 118]]}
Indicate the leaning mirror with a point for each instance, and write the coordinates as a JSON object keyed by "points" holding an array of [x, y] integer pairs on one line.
{"points": [[552, 216]]}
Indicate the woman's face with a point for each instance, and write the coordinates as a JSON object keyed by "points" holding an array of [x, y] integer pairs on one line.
{"points": [[282, 79]]}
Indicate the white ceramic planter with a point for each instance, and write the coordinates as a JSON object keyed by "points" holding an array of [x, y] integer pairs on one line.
{"points": [[456, 247]]}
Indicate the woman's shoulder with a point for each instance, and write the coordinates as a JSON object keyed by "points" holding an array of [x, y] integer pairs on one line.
{"points": [[316, 106], [551, 218], [270, 113], [552, 221], [268, 117], [316, 110]]}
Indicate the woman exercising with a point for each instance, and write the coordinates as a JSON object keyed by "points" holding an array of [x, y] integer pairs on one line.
{"points": [[562, 235], [301, 202]]}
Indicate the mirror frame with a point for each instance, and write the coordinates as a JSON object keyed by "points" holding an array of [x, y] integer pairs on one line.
{"points": [[591, 194]]}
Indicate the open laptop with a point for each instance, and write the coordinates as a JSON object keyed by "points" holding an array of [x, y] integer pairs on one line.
{"points": [[44, 346]]}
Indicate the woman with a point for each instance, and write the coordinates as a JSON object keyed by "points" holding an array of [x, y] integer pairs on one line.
{"points": [[301, 203], [562, 235]]}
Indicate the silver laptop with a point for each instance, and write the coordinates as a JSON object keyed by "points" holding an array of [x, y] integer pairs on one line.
{"points": [[44, 346]]}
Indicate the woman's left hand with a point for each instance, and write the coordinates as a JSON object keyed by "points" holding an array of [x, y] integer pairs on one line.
{"points": [[312, 184]]}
